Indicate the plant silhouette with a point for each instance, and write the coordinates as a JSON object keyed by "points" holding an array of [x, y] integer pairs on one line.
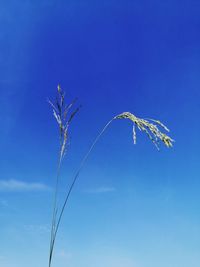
{"points": [[64, 114]]}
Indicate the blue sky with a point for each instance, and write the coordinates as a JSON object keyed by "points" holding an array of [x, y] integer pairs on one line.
{"points": [[132, 206]]}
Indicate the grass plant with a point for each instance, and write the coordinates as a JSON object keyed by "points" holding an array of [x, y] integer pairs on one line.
{"points": [[64, 114]]}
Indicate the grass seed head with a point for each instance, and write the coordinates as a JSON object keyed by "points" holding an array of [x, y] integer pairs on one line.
{"points": [[150, 127], [63, 115]]}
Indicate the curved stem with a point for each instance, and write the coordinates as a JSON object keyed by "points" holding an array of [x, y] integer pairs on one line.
{"points": [[75, 179]]}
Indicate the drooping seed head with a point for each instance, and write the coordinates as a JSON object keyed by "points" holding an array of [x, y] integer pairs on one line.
{"points": [[151, 129]]}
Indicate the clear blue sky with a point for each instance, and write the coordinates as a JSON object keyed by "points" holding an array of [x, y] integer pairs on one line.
{"points": [[132, 206]]}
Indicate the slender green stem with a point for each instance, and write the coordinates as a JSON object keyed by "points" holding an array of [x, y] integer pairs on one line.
{"points": [[73, 183], [53, 224]]}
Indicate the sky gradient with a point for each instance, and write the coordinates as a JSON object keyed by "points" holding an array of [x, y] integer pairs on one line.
{"points": [[132, 206]]}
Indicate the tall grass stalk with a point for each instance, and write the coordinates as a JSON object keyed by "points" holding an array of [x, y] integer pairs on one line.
{"points": [[63, 115], [60, 111]]}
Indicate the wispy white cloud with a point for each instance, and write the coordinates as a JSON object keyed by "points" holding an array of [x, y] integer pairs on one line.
{"points": [[101, 190], [63, 254], [13, 185], [64, 258], [111, 257], [37, 228]]}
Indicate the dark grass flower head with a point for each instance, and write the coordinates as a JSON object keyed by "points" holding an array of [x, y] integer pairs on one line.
{"points": [[63, 114], [150, 127]]}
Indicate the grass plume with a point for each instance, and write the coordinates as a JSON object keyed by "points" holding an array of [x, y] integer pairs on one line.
{"points": [[150, 128], [63, 113]]}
